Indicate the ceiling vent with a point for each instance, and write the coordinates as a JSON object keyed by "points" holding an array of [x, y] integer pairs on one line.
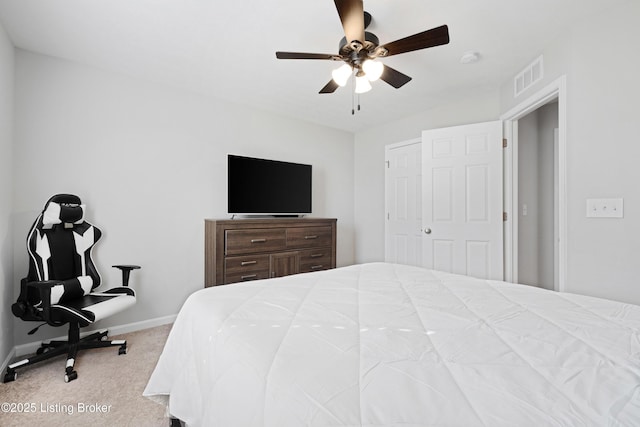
{"points": [[527, 77]]}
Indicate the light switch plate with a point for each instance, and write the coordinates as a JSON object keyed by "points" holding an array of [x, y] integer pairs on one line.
{"points": [[605, 208]]}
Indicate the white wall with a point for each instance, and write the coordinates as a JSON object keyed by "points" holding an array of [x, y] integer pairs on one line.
{"points": [[598, 57], [369, 162], [6, 194], [150, 163]]}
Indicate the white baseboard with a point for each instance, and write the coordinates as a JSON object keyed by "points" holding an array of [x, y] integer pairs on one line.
{"points": [[31, 347], [138, 326]]}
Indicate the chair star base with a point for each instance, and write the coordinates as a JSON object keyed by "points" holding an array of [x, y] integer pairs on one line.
{"points": [[71, 347]]}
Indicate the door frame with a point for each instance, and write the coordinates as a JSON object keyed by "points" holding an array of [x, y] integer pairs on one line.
{"points": [[555, 90]]}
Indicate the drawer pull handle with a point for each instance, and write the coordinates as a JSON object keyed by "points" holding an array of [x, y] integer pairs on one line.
{"points": [[243, 263], [249, 276], [258, 240], [316, 255], [310, 237], [316, 267]]}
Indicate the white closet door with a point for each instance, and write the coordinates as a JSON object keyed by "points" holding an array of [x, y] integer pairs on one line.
{"points": [[403, 182], [462, 200]]}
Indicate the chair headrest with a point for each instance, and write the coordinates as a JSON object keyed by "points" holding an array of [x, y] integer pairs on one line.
{"points": [[63, 209]]}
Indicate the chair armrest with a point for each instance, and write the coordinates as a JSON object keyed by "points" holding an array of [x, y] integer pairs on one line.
{"points": [[126, 269]]}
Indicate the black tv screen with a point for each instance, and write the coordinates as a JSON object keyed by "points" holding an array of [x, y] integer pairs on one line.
{"points": [[267, 187]]}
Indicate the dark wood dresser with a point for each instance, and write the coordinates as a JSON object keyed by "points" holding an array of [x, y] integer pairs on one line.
{"points": [[237, 250]]}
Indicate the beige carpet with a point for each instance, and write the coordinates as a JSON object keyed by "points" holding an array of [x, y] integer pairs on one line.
{"points": [[107, 392]]}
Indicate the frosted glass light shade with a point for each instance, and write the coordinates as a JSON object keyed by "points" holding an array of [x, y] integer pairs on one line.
{"points": [[372, 69], [341, 75], [362, 84]]}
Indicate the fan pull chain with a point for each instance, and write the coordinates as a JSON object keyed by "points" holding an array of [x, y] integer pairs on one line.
{"points": [[353, 96], [353, 93]]}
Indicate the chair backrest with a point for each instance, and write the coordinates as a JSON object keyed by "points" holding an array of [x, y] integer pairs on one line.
{"points": [[59, 245]]}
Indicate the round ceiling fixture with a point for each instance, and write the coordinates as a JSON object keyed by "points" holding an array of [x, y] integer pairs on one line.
{"points": [[470, 57]]}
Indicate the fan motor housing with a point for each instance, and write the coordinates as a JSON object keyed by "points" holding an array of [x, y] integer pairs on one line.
{"points": [[371, 41]]}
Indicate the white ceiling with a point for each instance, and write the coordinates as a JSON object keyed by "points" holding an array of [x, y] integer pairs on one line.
{"points": [[227, 49]]}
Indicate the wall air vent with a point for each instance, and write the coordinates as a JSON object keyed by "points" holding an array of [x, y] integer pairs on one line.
{"points": [[527, 77]]}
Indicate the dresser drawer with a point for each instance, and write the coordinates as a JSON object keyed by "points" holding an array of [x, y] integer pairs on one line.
{"points": [[308, 237], [243, 268], [315, 259], [254, 240], [245, 276], [246, 263]]}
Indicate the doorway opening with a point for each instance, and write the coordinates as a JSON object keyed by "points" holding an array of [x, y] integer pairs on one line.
{"points": [[537, 196], [535, 189]]}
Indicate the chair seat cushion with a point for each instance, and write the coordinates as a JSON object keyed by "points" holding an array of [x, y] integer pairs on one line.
{"points": [[94, 306]]}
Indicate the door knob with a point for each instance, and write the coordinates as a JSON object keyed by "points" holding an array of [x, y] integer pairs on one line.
{"points": [[427, 231]]}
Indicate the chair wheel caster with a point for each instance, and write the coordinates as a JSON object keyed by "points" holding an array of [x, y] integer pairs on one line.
{"points": [[70, 376], [122, 350], [10, 376]]}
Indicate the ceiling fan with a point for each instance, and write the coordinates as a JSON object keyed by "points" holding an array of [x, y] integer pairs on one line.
{"points": [[359, 50]]}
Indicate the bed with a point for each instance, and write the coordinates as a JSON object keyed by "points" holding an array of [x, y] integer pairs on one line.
{"points": [[391, 345]]}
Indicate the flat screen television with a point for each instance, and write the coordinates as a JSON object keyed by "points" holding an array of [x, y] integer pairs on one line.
{"points": [[267, 187]]}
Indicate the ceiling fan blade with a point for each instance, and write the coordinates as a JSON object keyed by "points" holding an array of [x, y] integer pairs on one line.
{"points": [[300, 55], [351, 14], [329, 87], [394, 78], [430, 38]]}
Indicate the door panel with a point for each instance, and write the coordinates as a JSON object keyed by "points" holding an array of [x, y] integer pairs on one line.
{"points": [[462, 199], [477, 193], [478, 258], [442, 191], [442, 253]]}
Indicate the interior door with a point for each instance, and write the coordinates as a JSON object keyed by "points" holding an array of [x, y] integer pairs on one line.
{"points": [[403, 182], [462, 200]]}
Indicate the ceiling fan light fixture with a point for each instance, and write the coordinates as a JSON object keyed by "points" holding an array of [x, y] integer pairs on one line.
{"points": [[341, 75], [362, 84], [359, 49], [373, 69]]}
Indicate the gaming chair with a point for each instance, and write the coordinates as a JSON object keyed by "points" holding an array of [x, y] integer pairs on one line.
{"points": [[59, 287]]}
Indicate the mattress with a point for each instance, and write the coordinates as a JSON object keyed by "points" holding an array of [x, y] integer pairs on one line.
{"points": [[391, 345]]}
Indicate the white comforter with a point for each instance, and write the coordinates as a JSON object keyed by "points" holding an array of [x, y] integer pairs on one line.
{"points": [[390, 345]]}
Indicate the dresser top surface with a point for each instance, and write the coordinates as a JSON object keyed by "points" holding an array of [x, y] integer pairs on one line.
{"points": [[274, 222]]}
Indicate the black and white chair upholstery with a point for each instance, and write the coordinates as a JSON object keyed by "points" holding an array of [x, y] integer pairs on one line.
{"points": [[59, 287]]}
